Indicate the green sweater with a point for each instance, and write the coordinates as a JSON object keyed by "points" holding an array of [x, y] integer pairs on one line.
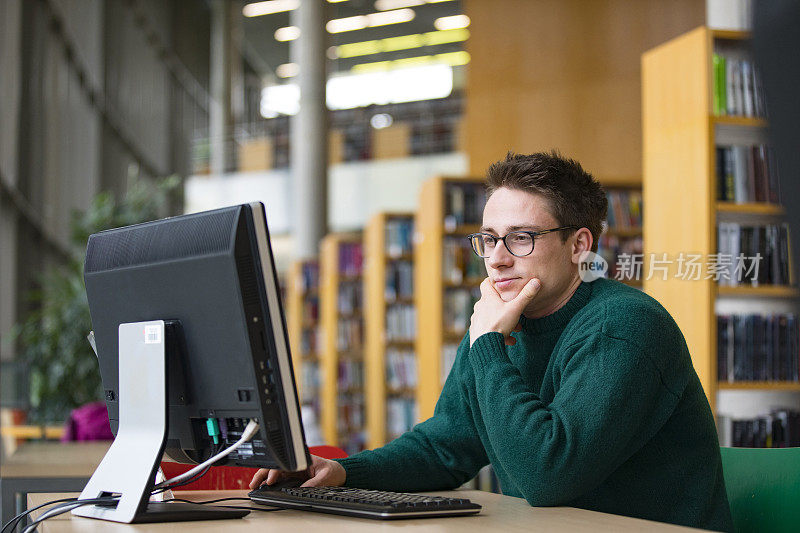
{"points": [[596, 406]]}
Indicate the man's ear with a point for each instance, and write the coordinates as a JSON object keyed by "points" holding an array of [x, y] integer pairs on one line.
{"points": [[582, 242]]}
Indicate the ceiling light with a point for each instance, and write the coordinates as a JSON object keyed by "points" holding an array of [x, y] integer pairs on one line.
{"points": [[287, 33], [453, 59], [386, 5], [404, 42], [359, 22], [447, 36], [269, 7], [451, 23], [381, 120], [287, 70]]}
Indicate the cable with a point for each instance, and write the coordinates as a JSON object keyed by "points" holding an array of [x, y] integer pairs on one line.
{"points": [[264, 509], [190, 480], [63, 508], [13, 522], [248, 433]]}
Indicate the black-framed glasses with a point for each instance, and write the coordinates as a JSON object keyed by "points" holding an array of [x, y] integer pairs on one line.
{"points": [[518, 243]]}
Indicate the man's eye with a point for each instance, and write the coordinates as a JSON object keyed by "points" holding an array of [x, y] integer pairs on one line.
{"points": [[522, 237], [488, 241]]}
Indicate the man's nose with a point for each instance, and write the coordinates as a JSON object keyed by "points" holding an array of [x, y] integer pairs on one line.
{"points": [[500, 256]]}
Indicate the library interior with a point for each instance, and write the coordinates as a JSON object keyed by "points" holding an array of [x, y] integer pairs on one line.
{"points": [[359, 142]]}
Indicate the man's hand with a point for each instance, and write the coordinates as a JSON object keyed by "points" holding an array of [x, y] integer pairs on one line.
{"points": [[321, 473], [491, 313]]}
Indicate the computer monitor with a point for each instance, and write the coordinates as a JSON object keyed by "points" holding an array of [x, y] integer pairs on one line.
{"points": [[189, 333]]}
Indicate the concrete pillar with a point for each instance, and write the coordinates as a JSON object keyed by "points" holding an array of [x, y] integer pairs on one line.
{"points": [[309, 130], [220, 122]]}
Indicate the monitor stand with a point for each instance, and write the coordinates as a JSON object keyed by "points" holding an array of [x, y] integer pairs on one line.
{"points": [[129, 467]]}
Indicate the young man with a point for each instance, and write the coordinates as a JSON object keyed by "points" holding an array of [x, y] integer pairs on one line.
{"points": [[578, 393]]}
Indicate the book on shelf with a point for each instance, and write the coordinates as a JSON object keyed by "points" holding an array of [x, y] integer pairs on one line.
{"points": [[351, 294], [351, 259], [449, 353], [350, 422], [778, 429], [458, 305], [747, 174], [309, 276], [401, 323], [624, 209], [610, 247], [401, 415], [753, 347], [459, 262], [350, 334], [464, 203], [401, 369], [399, 236], [399, 280], [754, 254], [737, 83]]}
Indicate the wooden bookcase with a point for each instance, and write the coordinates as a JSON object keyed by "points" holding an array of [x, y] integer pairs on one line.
{"points": [[434, 226], [681, 133], [388, 256], [302, 322], [342, 406]]}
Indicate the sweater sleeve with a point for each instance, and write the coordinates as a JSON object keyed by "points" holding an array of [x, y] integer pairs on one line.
{"points": [[610, 401], [440, 453]]}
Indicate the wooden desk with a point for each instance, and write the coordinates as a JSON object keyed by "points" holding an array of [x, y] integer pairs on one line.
{"points": [[46, 467], [500, 513]]}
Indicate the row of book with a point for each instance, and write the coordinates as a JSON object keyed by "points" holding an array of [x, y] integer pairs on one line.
{"points": [[351, 259], [310, 341], [310, 310], [399, 280], [310, 382], [350, 375], [350, 334], [747, 174], [449, 352], [610, 247], [624, 209], [399, 236], [463, 204], [753, 255], [350, 296], [459, 262], [350, 423], [401, 369], [401, 415], [758, 348], [778, 429], [309, 276], [457, 308], [737, 85], [401, 323]]}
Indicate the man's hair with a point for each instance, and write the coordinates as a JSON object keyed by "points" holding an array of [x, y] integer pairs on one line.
{"points": [[575, 197]]}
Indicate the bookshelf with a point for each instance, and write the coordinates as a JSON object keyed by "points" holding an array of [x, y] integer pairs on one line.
{"points": [[690, 139], [302, 313], [341, 325], [447, 276], [623, 231], [390, 327]]}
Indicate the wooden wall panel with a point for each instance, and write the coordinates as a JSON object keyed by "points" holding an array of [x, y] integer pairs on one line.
{"points": [[565, 74]]}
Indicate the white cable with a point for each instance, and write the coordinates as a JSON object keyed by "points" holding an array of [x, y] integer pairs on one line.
{"points": [[248, 433]]}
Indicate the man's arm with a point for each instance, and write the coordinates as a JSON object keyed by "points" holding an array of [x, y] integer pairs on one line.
{"points": [[439, 454], [610, 402]]}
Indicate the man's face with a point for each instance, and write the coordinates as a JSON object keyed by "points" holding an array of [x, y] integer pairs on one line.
{"points": [[551, 260]]}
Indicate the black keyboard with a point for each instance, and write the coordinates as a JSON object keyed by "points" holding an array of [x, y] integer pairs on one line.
{"points": [[363, 502]]}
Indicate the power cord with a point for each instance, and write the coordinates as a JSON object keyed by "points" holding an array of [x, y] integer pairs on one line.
{"points": [[67, 504]]}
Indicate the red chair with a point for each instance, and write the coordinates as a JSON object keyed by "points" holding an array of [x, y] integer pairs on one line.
{"points": [[234, 477]]}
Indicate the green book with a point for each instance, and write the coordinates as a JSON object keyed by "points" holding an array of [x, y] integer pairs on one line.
{"points": [[719, 94]]}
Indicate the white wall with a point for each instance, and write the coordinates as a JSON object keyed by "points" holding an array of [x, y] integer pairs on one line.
{"points": [[357, 190]]}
